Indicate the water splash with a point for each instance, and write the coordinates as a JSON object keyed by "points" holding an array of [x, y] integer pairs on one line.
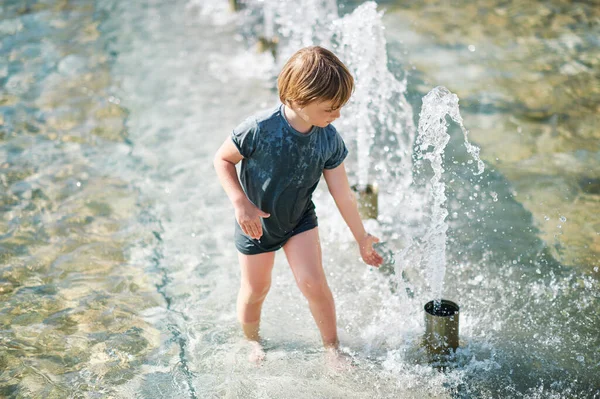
{"points": [[378, 109], [379, 105], [292, 25], [432, 138], [269, 22]]}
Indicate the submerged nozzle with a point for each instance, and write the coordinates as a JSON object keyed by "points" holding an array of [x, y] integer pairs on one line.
{"points": [[234, 5], [265, 44], [367, 200]]}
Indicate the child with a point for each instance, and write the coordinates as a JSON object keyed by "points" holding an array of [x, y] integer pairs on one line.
{"points": [[284, 152]]}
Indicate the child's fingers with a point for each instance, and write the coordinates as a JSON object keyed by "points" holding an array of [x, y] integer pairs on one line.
{"points": [[264, 215], [258, 228], [374, 259], [254, 231], [247, 228], [372, 262]]}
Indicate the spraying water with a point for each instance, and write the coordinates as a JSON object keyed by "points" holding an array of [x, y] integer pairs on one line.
{"points": [[378, 109], [431, 142], [378, 106], [293, 25], [134, 295]]}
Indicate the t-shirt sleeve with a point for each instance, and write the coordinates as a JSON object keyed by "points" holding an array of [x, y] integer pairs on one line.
{"points": [[338, 153], [244, 137]]}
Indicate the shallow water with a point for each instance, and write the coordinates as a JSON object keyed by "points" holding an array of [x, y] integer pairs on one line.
{"points": [[119, 276], [519, 70]]}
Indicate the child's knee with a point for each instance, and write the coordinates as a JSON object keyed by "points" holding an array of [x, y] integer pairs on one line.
{"points": [[313, 287], [255, 292]]}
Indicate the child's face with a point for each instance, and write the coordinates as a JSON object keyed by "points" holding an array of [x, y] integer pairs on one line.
{"points": [[319, 113]]}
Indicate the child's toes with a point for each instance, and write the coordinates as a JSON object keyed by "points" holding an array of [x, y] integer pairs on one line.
{"points": [[337, 361], [257, 354]]}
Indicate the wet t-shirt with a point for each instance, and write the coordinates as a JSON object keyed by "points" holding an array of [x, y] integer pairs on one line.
{"points": [[280, 171]]}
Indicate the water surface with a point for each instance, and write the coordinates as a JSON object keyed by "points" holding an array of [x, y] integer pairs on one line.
{"points": [[119, 276]]}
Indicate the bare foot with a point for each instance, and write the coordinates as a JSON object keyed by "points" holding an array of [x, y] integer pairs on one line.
{"points": [[257, 353], [337, 361]]}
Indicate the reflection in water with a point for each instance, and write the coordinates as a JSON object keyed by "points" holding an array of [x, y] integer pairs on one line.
{"points": [[118, 274]]}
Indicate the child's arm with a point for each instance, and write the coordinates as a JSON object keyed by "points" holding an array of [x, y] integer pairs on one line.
{"points": [[337, 182], [247, 215]]}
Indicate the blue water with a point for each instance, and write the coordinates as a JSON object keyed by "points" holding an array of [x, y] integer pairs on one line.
{"points": [[118, 275]]}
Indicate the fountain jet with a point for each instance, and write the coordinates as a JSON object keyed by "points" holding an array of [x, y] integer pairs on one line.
{"points": [[441, 316]]}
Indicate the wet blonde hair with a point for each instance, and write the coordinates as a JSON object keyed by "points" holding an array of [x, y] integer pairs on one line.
{"points": [[314, 73]]}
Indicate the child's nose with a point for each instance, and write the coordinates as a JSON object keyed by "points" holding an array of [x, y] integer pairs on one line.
{"points": [[336, 113]]}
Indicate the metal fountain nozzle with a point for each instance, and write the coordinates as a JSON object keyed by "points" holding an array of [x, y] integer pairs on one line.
{"points": [[441, 327], [367, 200]]}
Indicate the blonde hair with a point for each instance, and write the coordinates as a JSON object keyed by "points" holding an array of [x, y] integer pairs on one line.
{"points": [[314, 73]]}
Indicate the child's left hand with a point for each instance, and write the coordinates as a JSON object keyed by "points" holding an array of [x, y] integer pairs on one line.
{"points": [[368, 253]]}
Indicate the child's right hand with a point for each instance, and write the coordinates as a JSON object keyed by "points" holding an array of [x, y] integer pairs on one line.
{"points": [[248, 217], [368, 253]]}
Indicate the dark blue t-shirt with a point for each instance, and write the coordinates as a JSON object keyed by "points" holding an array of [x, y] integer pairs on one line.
{"points": [[280, 171]]}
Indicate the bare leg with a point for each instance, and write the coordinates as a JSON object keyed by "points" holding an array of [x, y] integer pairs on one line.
{"points": [[254, 286], [303, 252]]}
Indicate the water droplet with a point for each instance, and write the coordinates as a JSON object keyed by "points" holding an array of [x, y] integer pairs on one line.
{"points": [[563, 219], [538, 271], [471, 48], [78, 184], [580, 358], [546, 217]]}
